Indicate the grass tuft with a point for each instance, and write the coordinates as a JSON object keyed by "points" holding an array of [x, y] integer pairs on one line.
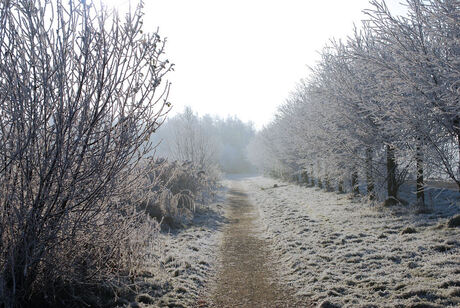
{"points": [[454, 222]]}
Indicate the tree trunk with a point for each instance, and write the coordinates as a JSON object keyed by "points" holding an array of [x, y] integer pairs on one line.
{"points": [[305, 178], [392, 187], [320, 185], [327, 183], [456, 177], [369, 176], [354, 183], [420, 180], [312, 176], [340, 186], [458, 170]]}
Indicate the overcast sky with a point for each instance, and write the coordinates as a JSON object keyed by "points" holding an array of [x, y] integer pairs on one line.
{"points": [[243, 57]]}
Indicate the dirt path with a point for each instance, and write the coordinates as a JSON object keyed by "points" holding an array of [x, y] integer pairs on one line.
{"points": [[245, 278]]}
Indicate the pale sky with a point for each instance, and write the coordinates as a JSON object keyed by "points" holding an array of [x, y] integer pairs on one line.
{"points": [[243, 57]]}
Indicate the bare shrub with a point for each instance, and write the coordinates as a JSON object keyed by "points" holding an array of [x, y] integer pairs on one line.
{"points": [[79, 96]]}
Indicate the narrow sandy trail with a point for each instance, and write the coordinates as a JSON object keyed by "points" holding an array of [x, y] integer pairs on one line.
{"points": [[246, 277]]}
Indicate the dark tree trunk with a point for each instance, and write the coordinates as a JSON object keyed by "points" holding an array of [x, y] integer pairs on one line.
{"points": [[458, 170], [320, 184], [392, 187], [305, 178], [420, 181], [369, 176], [340, 186], [354, 183], [313, 179], [327, 183], [456, 177]]}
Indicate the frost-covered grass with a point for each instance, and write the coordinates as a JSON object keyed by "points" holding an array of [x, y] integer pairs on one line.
{"points": [[190, 259], [181, 266], [332, 248]]}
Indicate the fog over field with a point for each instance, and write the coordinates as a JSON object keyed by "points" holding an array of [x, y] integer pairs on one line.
{"points": [[229, 153]]}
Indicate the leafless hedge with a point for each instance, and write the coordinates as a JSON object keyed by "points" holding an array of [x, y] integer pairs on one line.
{"points": [[80, 93]]}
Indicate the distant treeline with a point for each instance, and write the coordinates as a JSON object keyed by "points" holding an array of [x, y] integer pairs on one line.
{"points": [[207, 141]]}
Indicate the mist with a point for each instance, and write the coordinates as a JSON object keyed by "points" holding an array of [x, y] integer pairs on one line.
{"points": [[211, 142]]}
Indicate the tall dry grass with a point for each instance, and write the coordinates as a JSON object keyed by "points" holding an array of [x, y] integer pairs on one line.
{"points": [[180, 188]]}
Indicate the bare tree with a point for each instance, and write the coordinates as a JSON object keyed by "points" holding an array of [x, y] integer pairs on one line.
{"points": [[79, 96], [424, 47], [381, 104], [189, 140]]}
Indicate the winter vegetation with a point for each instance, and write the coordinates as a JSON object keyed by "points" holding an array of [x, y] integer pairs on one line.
{"points": [[212, 143], [107, 200], [379, 119], [379, 110], [81, 92], [175, 191], [335, 253]]}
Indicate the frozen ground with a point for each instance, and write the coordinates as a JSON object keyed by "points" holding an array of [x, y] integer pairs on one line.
{"points": [[190, 259], [308, 247], [185, 262], [333, 249]]}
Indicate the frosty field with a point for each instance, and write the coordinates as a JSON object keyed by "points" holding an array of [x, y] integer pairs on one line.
{"points": [[292, 246], [188, 262], [333, 249]]}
